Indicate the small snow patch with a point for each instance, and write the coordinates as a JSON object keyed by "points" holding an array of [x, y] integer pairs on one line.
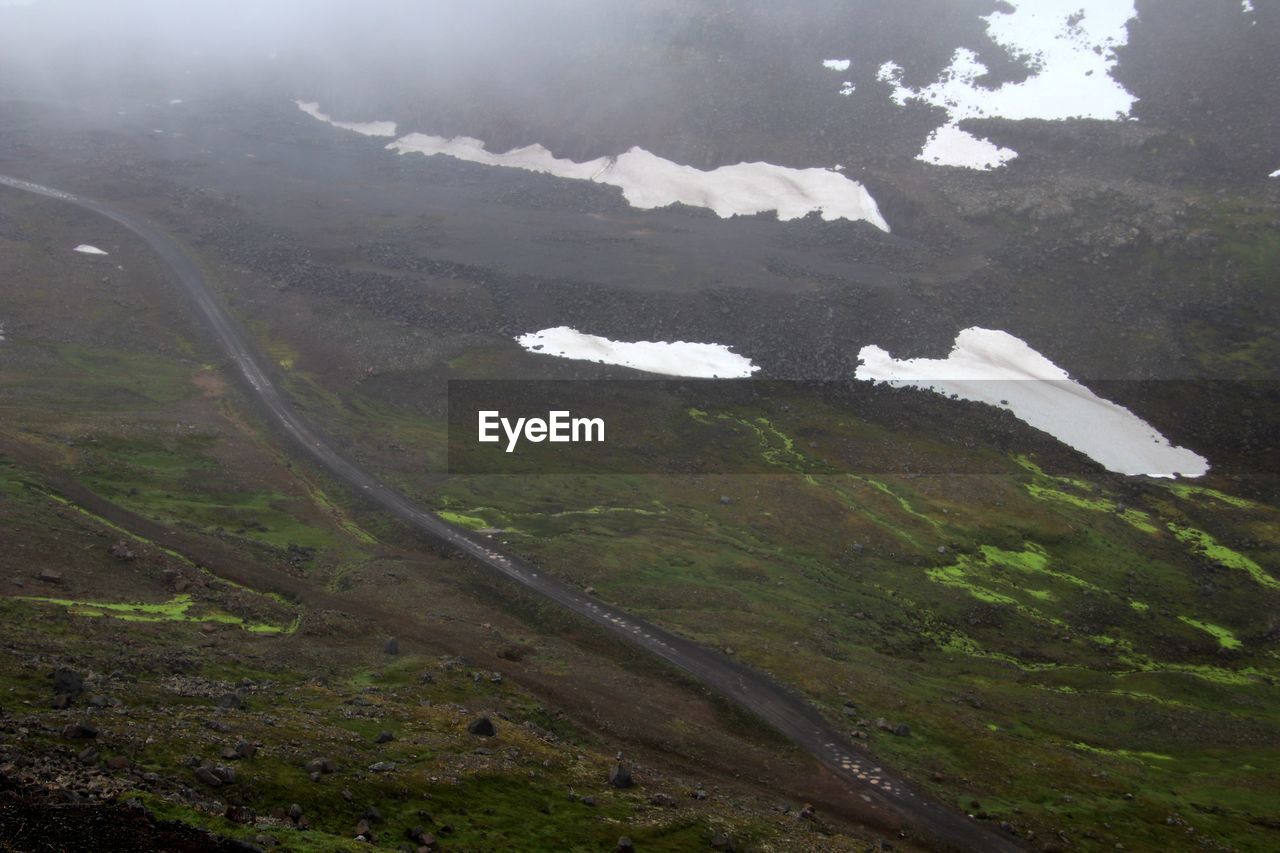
{"points": [[951, 146], [847, 88], [996, 368], [1275, 174], [699, 361], [368, 128], [836, 64], [175, 101], [86, 249]]}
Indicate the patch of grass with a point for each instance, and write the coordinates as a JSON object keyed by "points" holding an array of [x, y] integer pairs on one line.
{"points": [[177, 609]]}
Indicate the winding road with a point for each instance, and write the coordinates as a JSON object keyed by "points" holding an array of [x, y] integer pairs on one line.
{"points": [[755, 692]]}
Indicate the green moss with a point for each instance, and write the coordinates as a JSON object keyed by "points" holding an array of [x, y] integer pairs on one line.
{"points": [[470, 522], [1221, 554], [176, 609], [1133, 755], [1225, 637], [1189, 492]]}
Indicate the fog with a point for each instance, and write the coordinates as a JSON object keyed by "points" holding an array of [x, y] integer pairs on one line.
{"points": [[703, 82], [709, 82]]}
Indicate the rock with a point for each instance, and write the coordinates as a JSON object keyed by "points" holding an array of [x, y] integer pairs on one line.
{"points": [[118, 762], [67, 682], [722, 841], [725, 500], [364, 832], [483, 727], [206, 776], [665, 801], [419, 835], [392, 646], [806, 812], [121, 551], [698, 794], [62, 702], [244, 749], [372, 814], [49, 576], [226, 774], [217, 726], [79, 730], [384, 736], [382, 767], [88, 755], [295, 812], [588, 800], [624, 845], [240, 814], [232, 701], [620, 776], [902, 730], [321, 765]]}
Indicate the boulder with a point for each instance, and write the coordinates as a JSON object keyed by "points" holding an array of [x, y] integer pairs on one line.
{"points": [[240, 814], [384, 736], [620, 776], [79, 730], [67, 682], [231, 701], [206, 776], [321, 765]]}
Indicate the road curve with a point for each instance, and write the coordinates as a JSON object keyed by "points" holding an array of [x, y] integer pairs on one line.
{"points": [[790, 714]]}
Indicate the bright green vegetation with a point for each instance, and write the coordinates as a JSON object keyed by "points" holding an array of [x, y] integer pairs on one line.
{"points": [[1225, 638], [1219, 553], [1052, 619], [177, 609], [471, 522], [1189, 492]]}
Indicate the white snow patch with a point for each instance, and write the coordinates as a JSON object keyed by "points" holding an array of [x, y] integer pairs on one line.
{"points": [[1247, 6], [701, 361], [175, 101], [368, 128], [1070, 46], [1275, 174], [847, 88], [86, 249], [996, 368], [649, 181], [836, 64], [951, 146]]}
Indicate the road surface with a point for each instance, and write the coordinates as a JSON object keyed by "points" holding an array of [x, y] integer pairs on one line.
{"points": [[797, 719]]}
